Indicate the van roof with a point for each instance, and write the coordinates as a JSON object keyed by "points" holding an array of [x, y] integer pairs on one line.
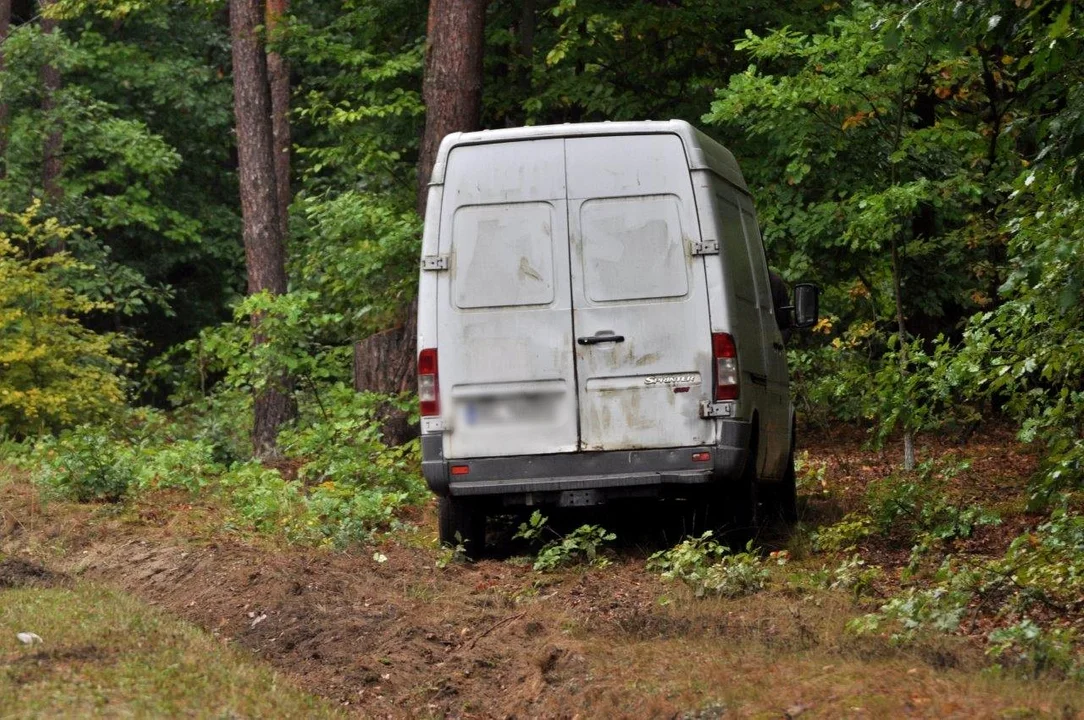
{"points": [[701, 151]]}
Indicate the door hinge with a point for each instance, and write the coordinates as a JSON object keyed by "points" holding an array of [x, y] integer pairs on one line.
{"points": [[710, 409], [435, 262], [707, 247]]}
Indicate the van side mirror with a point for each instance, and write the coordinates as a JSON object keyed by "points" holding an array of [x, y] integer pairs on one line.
{"points": [[806, 305]]}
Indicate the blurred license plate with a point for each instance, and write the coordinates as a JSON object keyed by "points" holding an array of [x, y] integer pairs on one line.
{"points": [[508, 410]]}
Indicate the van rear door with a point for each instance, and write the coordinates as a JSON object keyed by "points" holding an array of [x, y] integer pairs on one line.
{"points": [[639, 295], [504, 315]]}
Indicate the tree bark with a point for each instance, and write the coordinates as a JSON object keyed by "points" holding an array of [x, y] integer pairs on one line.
{"points": [[265, 256], [5, 28], [452, 89], [525, 40], [54, 139], [452, 92], [278, 71]]}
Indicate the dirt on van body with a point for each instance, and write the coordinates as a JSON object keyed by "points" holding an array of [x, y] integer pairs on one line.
{"points": [[393, 635]]}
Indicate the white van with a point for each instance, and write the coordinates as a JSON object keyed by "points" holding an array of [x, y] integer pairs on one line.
{"points": [[595, 321]]}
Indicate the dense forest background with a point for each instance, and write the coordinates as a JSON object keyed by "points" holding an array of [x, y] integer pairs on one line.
{"points": [[210, 218], [920, 161]]}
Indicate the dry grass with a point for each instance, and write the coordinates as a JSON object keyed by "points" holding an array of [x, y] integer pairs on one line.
{"points": [[106, 654], [774, 655]]}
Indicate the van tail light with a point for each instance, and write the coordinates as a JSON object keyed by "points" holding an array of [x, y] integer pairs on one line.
{"points": [[725, 355], [428, 382]]}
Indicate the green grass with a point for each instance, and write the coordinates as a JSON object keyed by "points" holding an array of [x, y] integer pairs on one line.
{"points": [[106, 654]]}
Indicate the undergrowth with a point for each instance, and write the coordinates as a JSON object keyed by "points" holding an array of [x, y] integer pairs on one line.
{"points": [[710, 568], [347, 485], [1020, 604], [583, 546]]}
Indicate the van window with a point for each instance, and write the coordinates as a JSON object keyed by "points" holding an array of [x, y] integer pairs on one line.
{"points": [[756, 250], [735, 250], [633, 248], [503, 255]]}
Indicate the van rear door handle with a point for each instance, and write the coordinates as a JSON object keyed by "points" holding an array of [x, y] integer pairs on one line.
{"points": [[596, 339]]}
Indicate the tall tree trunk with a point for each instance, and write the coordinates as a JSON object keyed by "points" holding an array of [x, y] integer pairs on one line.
{"points": [[525, 41], [5, 27], [265, 256], [452, 92], [278, 71], [54, 139]]}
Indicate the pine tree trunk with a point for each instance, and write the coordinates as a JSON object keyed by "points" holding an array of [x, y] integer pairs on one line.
{"points": [[5, 28], [265, 257], [452, 89], [278, 71], [452, 92], [525, 40], [54, 139]]}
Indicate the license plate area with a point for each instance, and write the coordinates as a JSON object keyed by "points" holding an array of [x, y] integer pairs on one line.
{"points": [[579, 498], [509, 410]]}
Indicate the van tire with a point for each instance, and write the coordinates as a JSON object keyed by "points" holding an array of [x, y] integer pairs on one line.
{"points": [[461, 522], [743, 496], [781, 498]]}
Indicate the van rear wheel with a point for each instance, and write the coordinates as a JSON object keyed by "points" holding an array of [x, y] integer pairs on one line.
{"points": [[781, 498], [743, 512], [461, 522]]}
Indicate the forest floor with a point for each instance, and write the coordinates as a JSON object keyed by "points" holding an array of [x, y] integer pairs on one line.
{"points": [[387, 632]]}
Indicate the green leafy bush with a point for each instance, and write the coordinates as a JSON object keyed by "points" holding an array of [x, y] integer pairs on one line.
{"points": [[85, 465], [938, 608], [535, 528], [1027, 646], [853, 574], [1027, 353], [264, 500], [810, 475], [340, 441], [343, 515], [916, 506], [843, 535], [184, 464], [54, 372], [1045, 566], [582, 546], [711, 569], [1042, 568]]}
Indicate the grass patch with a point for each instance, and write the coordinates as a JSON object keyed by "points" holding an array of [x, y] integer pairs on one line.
{"points": [[772, 657], [105, 653]]}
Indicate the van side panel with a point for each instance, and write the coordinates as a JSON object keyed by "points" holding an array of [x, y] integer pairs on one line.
{"points": [[720, 302], [776, 412], [738, 270], [507, 379]]}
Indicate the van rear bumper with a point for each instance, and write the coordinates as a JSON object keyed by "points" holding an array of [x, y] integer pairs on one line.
{"points": [[613, 473]]}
